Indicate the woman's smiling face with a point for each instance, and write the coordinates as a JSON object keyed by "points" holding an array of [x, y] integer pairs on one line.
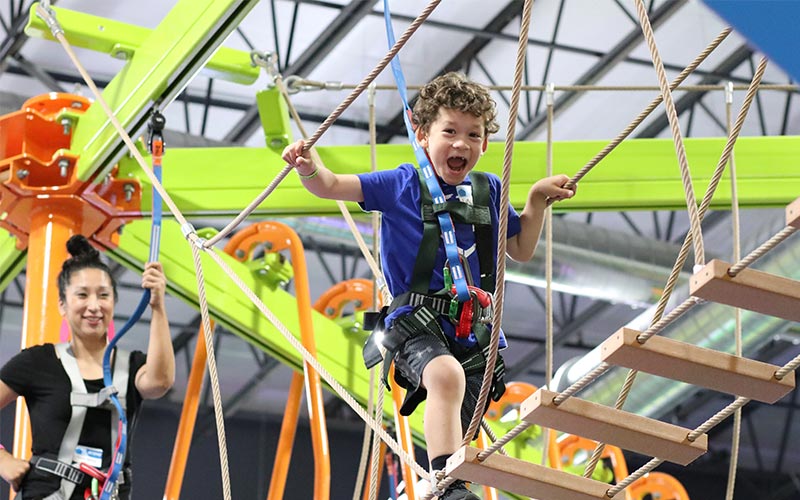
{"points": [[88, 305]]}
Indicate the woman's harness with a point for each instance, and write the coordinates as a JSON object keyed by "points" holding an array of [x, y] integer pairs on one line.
{"points": [[81, 400]]}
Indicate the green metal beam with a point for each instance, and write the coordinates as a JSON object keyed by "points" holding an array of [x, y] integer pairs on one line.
{"points": [[123, 40], [156, 72], [12, 260], [640, 174]]}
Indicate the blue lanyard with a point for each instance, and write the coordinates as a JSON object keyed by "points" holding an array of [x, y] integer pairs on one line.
{"points": [[122, 443], [445, 222]]}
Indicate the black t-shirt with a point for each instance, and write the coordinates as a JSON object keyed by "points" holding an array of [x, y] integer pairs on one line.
{"points": [[37, 374]]}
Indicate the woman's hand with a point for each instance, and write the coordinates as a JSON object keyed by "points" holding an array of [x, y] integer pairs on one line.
{"points": [[154, 280], [12, 469]]}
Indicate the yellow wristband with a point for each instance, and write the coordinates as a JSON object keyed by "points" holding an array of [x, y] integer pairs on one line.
{"points": [[309, 176]]}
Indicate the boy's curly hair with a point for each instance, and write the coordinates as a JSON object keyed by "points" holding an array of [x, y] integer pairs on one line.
{"points": [[454, 91]]}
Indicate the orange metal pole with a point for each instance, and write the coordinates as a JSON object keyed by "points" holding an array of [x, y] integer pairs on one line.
{"points": [[191, 402], [489, 493], [47, 250], [319, 431], [283, 456], [404, 433]]}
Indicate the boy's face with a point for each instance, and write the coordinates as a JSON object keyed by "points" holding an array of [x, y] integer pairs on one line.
{"points": [[454, 142]]}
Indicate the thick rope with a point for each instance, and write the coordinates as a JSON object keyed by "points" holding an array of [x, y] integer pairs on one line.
{"points": [[213, 376], [737, 255], [651, 107], [376, 463], [582, 383], [726, 154], [365, 443], [412, 28], [297, 84], [548, 270], [761, 250], [672, 115], [58, 33], [502, 229]]}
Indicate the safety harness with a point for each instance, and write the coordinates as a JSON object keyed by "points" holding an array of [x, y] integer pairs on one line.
{"points": [[81, 400], [470, 316]]}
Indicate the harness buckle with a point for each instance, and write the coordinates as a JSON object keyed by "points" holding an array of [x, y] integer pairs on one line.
{"points": [[478, 309]]}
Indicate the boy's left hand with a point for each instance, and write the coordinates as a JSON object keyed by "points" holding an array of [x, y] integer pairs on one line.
{"points": [[553, 188]]}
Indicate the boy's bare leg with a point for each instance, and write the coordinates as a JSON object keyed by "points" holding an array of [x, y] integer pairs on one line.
{"points": [[443, 378]]}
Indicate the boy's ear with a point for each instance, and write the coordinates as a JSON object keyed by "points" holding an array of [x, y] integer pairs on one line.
{"points": [[422, 137], [485, 144]]}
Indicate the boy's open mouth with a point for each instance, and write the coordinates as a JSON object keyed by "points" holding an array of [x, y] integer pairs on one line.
{"points": [[456, 162]]}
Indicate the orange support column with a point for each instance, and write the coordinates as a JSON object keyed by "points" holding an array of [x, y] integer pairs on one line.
{"points": [[49, 231], [183, 439]]}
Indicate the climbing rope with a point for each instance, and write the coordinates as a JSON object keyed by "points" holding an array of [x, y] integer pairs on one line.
{"points": [[548, 268], [49, 17], [412, 28], [672, 115], [680, 261], [651, 107], [737, 255]]}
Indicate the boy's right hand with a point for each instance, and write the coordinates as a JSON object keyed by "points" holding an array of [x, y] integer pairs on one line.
{"points": [[294, 155], [13, 469]]}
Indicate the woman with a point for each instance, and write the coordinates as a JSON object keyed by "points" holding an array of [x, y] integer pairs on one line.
{"points": [[41, 374]]}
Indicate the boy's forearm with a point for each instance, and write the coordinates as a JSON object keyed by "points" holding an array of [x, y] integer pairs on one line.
{"points": [[531, 222]]}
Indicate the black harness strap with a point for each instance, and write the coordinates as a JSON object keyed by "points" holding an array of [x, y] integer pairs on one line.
{"points": [[477, 214]]}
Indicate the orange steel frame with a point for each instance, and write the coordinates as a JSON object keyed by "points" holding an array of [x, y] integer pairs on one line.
{"points": [[275, 237], [44, 203]]}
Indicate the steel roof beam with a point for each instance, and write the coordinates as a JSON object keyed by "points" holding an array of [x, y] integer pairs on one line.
{"points": [[325, 42], [602, 66]]}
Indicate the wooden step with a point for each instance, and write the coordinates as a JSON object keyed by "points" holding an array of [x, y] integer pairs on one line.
{"points": [[750, 289], [793, 214], [602, 423], [696, 365], [524, 478]]}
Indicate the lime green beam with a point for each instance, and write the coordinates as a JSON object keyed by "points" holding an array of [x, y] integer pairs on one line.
{"points": [[123, 40], [157, 71], [12, 260], [639, 175]]}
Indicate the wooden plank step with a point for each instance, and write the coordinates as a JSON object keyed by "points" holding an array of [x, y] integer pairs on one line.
{"points": [[793, 214], [524, 478], [750, 289], [602, 423], [696, 365]]}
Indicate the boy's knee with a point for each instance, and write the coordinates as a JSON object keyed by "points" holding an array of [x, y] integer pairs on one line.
{"points": [[444, 374]]}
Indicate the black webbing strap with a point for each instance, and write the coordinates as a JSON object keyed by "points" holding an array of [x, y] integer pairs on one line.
{"points": [[60, 469], [426, 254], [477, 214], [483, 232]]}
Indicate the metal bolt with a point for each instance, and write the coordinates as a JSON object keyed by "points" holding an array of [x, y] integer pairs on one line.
{"points": [[77, 105], [67, 124], [22, 173], [63, 164], [330, 311], [357, 303], [128, 189], [121, 54], [240, 253]]}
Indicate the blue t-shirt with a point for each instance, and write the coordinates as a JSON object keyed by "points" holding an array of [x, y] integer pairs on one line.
{"points": [[396, 194]]}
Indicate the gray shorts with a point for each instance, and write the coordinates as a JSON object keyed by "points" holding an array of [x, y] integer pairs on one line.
{"points": [[412, 358]]}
